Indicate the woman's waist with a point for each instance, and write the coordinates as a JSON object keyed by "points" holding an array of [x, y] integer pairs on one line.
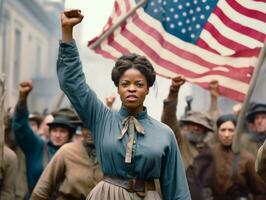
{"points": [[132, 184]]}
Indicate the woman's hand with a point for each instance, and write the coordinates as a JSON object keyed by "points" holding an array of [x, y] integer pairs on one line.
{"points": [[70, 18]]}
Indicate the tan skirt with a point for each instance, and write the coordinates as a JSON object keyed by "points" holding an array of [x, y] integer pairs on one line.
{"points": [[106, 191]]}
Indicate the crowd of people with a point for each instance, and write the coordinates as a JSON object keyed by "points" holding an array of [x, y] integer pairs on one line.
{"points": [[91, 151]]}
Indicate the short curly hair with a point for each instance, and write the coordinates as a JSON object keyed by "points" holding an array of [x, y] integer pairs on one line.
{"points": [[141, 63]]}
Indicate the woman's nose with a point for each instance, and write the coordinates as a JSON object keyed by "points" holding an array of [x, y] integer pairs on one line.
{"points": [[131, 88]]}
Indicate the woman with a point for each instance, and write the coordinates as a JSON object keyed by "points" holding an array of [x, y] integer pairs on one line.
{"points": [[133, 149], [234, 174]]}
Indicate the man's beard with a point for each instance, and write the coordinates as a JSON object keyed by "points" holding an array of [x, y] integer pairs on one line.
{"points": [[195, 138]]}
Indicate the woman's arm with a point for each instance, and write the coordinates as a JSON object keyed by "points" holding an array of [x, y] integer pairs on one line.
{"points": [[173, 179], [71, 77]]}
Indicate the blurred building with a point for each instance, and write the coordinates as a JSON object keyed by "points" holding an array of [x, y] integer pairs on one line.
{"points": [[29, 33]]}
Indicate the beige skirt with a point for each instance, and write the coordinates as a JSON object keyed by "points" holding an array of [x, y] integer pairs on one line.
{"points": [[106, 191]]}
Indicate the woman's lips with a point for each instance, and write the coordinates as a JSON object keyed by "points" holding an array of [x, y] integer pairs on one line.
{"points": [[132, 97]]}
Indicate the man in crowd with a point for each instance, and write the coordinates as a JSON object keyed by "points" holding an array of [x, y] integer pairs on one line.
{"points": [[196, 154], [256, 117]]}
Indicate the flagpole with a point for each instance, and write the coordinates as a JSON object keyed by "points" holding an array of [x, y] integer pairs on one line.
{"points": [[115, 26], [241, 117]]}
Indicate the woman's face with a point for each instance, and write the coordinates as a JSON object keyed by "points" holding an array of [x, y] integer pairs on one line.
{"points": [[226, 133], [133, 88], [59, 136]]}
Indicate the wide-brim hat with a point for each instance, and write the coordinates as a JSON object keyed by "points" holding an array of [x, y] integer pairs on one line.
{"points": [[253, 109], [69, 113], [198, 118], [36, 117], [60, 121]]}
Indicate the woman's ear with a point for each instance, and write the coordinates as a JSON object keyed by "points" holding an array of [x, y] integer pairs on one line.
{"points": [[148, 90]]}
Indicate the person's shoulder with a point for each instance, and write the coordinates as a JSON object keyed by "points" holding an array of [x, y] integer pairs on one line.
{"points": [[158, 123], [246, 156], [9, 155], [161, 127], [70, 147], [246, 138]]}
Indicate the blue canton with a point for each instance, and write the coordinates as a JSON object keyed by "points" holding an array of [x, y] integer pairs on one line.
{"points": [[184, 19]]}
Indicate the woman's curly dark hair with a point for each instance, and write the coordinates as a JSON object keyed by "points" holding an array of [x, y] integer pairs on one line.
{"points": [[134, 61]]}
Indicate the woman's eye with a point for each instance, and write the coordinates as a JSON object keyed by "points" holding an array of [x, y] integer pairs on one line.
{"points": [[124, 84], [139, 84]]}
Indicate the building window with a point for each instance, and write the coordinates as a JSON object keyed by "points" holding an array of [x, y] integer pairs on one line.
{"points": [[17, 56]]}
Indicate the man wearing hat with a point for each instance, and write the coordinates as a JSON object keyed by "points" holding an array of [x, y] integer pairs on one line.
{"points": [[256, 117], [74, 168], [37, 151], [196, 154]]}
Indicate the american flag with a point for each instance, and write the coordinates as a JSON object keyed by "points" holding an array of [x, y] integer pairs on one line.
{"points": [[200, 39]]}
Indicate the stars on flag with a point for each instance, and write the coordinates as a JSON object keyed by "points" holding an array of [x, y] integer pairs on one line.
{"points": [[182, 18]]}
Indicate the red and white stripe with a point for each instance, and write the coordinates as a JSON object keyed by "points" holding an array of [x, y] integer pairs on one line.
{"points": [[227, 50]]}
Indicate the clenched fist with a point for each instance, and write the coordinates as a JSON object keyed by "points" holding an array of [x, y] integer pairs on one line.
{"points": [[25, 88], [109, 100], [70, 18], [177, 82], [214, 87]]}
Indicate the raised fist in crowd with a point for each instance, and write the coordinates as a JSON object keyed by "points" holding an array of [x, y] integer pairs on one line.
{"points": [[25, 88], [214, 87], [177, 82]]}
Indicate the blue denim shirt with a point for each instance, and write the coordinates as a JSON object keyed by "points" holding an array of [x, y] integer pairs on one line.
{"points": [[155, 153]]}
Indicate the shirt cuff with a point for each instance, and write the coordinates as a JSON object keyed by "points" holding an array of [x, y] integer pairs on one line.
{"points": [[68, 49]]}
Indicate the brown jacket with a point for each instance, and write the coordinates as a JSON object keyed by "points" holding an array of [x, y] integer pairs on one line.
{"points": [[261, 161], [188, 150], [7, 186], [21, 179], [249, 145], [247, 181], [197, 159], [72, 171]]}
